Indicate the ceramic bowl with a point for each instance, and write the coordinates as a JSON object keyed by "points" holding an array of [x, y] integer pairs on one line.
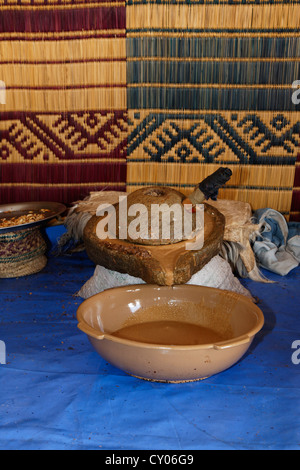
{"points": [[233, 317]]}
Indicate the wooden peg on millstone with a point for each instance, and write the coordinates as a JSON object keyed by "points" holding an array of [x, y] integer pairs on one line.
{"points": [[209, 187]]}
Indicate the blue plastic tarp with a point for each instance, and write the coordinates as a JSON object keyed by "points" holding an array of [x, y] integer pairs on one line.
{"points": [[57, 393]]}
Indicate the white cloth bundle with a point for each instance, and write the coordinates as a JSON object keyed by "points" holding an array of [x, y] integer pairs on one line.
{"points": [[217, 273]]}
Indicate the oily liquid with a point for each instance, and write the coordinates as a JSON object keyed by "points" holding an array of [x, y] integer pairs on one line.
{"points": [[170, 333]]}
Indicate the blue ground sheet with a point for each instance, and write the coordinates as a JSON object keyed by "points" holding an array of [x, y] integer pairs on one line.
{"points": [[56, 392]]}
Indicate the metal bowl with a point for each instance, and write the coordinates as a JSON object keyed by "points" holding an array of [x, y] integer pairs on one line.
{"points": [[235, 318], [8, 211]]}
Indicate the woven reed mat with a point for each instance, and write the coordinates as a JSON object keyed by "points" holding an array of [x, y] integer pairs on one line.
{"points": [[209, 83], [122, 94], [63, 128], [22, 253]]}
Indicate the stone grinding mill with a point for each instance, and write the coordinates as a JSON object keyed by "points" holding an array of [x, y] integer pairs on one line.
{"points": [[158, 260]]}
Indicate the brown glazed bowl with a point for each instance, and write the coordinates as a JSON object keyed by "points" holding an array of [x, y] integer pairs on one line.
{"points": [[234, 317]]}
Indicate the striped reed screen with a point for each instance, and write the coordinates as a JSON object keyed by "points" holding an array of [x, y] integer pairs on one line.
{"points": [[209, 84], [120, 95], [63, 128]]}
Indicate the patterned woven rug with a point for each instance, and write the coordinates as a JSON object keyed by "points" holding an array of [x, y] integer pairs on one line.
{"points": [[117, 95], [63, 128]]}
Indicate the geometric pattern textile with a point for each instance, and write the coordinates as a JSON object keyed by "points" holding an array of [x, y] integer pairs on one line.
{"points": [[117, 95], [63, 127], [210, 83]]}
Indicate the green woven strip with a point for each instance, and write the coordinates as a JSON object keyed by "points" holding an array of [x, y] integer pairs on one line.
{"points": [[26, 257], [14, 236]]}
